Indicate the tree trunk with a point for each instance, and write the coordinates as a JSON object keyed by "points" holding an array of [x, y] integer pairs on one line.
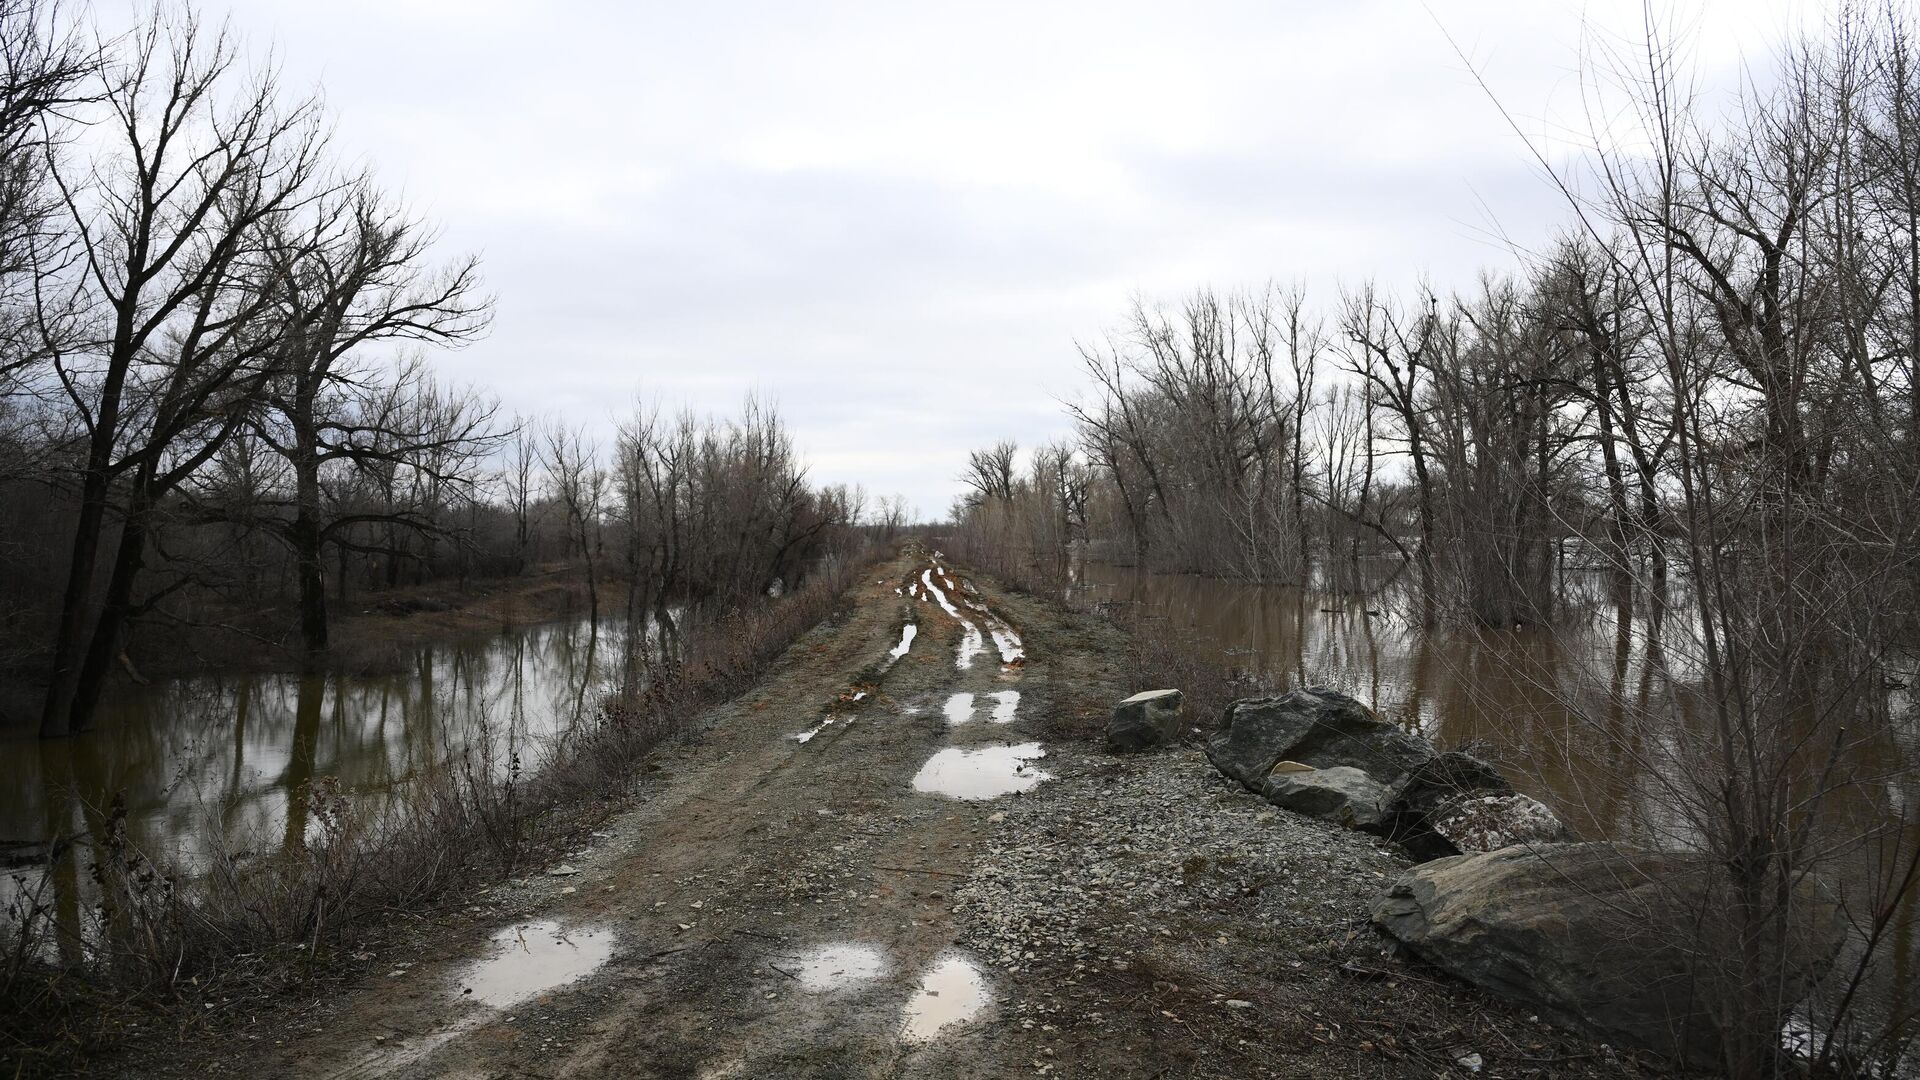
{"points": [[108, 630], [306, 537], [70, 636]]}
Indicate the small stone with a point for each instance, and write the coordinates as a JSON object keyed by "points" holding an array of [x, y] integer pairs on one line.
{"points": [[563, 870], [1236, 1003]]}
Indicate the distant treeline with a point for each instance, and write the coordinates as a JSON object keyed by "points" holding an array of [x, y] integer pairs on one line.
{"points": [[214, 413]]}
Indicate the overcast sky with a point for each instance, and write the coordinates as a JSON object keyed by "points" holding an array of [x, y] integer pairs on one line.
{"points": [[896, 219]]}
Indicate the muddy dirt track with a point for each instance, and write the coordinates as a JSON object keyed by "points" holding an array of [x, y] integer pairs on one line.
{"points": [[916, 863]]}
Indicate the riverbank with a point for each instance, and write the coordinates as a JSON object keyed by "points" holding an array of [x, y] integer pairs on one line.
{"points": [[771, 905]]}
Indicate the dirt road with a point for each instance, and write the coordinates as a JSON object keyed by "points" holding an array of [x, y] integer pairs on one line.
{"points": [[905, 855], [775, 905]]}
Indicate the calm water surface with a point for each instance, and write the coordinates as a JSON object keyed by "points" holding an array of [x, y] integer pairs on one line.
{"points": [[200, 757]]}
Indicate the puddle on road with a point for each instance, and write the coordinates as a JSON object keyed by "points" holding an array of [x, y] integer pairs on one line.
{"points": [[1006, 641], [951, 992], [986, 773], [959, 708], [529, 959], [907, 634], [1004, 704], [834, 967], [972, 644]]}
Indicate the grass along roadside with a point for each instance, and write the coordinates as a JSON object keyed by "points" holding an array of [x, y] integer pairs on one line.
{"points": [[167, 952]]}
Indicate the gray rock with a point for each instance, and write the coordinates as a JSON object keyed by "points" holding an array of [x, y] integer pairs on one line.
{"points": [[1146, 719], [1446, 776], [1484, 822], [1343, 795], [1318, 727], [1434, 783], [1603, 938]]}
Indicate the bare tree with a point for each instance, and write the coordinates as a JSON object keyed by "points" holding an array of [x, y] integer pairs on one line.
{"points": [[353, 276], [990, 471], [169, 222]]}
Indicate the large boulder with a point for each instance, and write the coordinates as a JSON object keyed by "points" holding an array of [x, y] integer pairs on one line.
{"points": [[1446, 776], [1615, 941], [1145, 720], [1318, 727], [1342, 794]]}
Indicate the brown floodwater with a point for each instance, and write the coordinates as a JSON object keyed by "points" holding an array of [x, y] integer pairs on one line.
{"points": [[222, 762], [1550, 705]]}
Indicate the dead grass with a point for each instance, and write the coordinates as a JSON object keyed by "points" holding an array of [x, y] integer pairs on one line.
{"points": [[1161, 654]]}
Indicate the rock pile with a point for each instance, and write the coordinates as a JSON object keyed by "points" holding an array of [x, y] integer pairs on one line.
{"points": [[1617, 942], [1143, 863], [1321, 753]]}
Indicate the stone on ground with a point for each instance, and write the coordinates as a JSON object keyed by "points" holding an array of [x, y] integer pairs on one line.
{"points": [[1145, 720], [1442, 779], [1342, 794]]}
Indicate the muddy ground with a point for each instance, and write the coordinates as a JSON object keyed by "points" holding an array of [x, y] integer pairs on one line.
{"points": [[779, 907]]}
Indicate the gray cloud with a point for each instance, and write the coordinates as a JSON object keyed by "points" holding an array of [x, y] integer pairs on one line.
{"points": [[897, 220]]}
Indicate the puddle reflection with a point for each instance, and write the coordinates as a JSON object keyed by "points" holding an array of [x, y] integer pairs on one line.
{"points": [[528, 959], [985, 773], [951, 992], [837, 966]]}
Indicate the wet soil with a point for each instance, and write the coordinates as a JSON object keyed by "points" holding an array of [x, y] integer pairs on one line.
{"points": [[773, 907]]}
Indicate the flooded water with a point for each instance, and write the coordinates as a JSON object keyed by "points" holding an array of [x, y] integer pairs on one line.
{"points": [[983, 773], [529, 959], [1541, 702], [220, 761], [953, 991], [1515, 692]]}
